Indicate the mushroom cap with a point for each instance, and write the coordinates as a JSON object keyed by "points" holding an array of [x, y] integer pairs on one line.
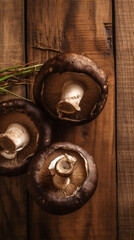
{"points": [[82, 184], [27, 114], [56, 71]]}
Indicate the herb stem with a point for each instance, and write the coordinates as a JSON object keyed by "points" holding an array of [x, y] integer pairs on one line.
{"points": [[3, 90]]}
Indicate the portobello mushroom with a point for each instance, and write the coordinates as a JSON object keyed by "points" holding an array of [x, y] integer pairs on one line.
{"points": [[71, 87], [62, 179], [23, 130]]}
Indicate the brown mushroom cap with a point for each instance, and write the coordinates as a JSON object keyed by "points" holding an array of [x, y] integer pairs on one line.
{"points": [[29, 116], [56, 72], [82, 183]]}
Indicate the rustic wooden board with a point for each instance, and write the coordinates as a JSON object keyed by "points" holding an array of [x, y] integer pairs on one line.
{"points": [[13, 194], [80, 27], [124, 20]]}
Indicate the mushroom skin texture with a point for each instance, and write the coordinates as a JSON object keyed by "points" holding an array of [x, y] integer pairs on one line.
{"points": [[50, 197], [21, 113], [77, 67]]}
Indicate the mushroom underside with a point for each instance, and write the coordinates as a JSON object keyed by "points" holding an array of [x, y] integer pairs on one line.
{"points": [[52, 92], [76, 179], [21, 118]]}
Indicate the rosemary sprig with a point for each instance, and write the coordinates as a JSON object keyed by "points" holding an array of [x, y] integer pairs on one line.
{"points": [[9, 69], [4, 90], [14, 76], [18, 71]]}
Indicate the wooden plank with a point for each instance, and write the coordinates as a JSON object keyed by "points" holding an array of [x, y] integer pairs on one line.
{"points": [[13, 194], [124, 20], [80, 27]]}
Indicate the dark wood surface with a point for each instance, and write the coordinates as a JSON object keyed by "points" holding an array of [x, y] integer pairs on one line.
{"points": [[13, 193], [124, 23], [80, 27]]}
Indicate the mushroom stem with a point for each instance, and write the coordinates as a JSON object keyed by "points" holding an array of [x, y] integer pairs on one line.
{"points": [[8, 154], [13, 140], [63, 169], [72, 93], [60, 182]]}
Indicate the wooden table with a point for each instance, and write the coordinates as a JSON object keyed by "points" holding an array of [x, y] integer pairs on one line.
{"points": [[86, 27]]}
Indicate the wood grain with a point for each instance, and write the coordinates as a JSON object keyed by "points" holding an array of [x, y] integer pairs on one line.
{"points": [[124, 23], [13, 194], [80, 27]]}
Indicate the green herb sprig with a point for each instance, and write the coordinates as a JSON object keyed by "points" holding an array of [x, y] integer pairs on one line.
{"points": [[18, 75], [14, 76]]}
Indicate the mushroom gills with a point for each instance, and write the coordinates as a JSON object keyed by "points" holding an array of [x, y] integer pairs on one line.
{"points": [[70, 95], [24, 129], [63, 172], [13, 140], [62, 178]]}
